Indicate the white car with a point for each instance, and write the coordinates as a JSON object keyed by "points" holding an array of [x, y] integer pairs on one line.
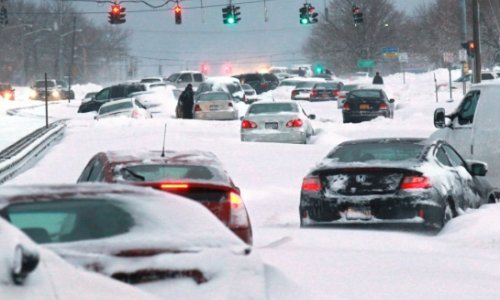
{"points": [[281, 122], [217, 105], [231, 85], [128, 107], [28, 272]]}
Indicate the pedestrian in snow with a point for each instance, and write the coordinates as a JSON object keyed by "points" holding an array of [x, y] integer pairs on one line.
{"points": [[186, 102], [378, 79]]}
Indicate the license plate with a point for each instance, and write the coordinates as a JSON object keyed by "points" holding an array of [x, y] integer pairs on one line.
{"points": [[358, 213], [364, 106], [213, 107], [272, 125]]}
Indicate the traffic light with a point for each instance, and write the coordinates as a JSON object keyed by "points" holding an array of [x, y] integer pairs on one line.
{"points": [[304, 14], [236, 14], [313, 16], [178, 14], [470, 46], [357, 15], [4, 20], [117, 14], [231, 14]]}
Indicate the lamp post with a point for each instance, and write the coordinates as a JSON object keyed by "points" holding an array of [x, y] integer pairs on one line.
{"points": [[61, 56], [23, 40]]}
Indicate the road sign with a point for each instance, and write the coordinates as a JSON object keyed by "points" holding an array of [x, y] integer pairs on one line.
{"points": [[366, 63], [403, 57], [462, 55], [390, 51], [448, 57]]}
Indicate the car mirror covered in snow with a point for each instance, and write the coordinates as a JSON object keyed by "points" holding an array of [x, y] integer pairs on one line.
{"points": [[439, 118], [25, 262], [477, 168]]}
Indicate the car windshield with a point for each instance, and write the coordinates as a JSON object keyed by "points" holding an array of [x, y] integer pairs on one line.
{"points": [[149, 80], [41, 84], [173, 77], [69, 220], [350, 87], [364, 94], [247, 87], [158, 172], [213, 96], [262, 108], [115, 107], [61, 83], [390, 151]]}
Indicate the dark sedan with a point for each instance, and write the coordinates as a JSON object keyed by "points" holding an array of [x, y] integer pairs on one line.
{"points": [[392, 180], [367, 104], [196, 175]]}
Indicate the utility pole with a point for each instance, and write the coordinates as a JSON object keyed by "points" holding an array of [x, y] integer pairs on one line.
{"points": [[70, 68], [463, 15], [475, 31]]}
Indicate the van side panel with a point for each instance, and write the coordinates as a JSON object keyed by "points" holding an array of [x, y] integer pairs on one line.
{"points": [[486, 132]]}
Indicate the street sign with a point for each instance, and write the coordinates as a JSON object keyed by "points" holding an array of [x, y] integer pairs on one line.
{"points": [[403, 57], [365, 63], [462, 55], [448, 57], [390, 51]]}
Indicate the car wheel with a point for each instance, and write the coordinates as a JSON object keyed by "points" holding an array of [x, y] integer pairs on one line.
{"points": [[449, 212], [346, 120]]}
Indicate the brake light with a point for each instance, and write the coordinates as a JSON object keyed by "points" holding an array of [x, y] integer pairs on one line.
{"points": [[174, 186], [335, 93], [239, 216], [197, 108], [313, 94], [383, 105], [311, 184], [246, 124], [295, 93], [295, 123], [136, 114], [415, 182], [346, 106]]}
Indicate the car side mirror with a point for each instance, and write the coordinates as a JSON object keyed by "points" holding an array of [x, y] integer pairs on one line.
{"points": [[477, 168], [391, 100], [312, 116], [439, 118], [25, 262]]}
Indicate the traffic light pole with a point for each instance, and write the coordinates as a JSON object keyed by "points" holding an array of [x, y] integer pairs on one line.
{"points": [[475, 31]]}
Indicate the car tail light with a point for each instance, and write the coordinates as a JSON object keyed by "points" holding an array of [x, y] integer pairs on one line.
{"points": [[264, 85], [311, 184], [342, 96], [246, 124], [346, 106], [244, 99], [295, 93], [415, 182], [174, 186], [136, 114], [8, 95], [383, 105], [239, 216], [335, 93], [197, 108], [295, 123], [313, 94]]}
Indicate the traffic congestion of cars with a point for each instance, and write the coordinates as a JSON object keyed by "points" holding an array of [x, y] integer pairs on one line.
{"points": [[145, 218]]}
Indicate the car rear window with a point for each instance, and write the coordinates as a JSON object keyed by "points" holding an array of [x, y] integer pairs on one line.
{"points": [[115, 107], [391, 151], [326, 85], [213, 96], [306, 84], [149, 80], [270, 77], [252, 77], [272, 108], [198, 77], [69, 220], [365, 94], [487, 76], [159, 172]]}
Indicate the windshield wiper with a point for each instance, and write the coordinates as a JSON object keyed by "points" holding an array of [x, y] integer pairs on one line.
{"points": [[133, 174]]}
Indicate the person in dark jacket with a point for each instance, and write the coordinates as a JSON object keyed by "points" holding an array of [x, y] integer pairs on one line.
{"points": [[378, 79], [186, 101]]}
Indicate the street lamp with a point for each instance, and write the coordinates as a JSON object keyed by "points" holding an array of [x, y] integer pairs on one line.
{"points": [[61, 57], [23, 45]]}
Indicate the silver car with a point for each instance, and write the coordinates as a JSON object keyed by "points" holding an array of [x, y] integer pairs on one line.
{"points": [[128, 107], [282, 122], [217, 105]]}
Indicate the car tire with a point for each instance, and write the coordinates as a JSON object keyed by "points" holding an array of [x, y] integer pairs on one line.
{"points": [[346, 120], [449, 212]]}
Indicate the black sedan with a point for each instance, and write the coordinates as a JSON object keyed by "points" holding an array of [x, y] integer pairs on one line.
{"points": [[367, 104], [392, 181]]}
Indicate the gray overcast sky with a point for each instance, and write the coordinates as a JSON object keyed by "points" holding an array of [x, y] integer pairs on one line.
{"points": [[202, 37]]}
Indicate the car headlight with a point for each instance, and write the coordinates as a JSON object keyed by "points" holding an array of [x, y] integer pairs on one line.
{"points": [[55, 94], [33, 93]]}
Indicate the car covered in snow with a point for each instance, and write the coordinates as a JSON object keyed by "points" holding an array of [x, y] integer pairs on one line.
{"points": [[197, 175], [222, 83], [128, 107], [111, 93], [217, 105], [392, 180], [28, 271], [279, 122], [137, 235]]}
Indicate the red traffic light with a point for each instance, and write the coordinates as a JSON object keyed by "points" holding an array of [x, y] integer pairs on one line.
{"points": [[472, 45], [115, 9], [178, 14], [178, 9]]}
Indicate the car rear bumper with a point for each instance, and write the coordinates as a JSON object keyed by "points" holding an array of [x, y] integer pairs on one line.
{"points": [[365, 115], [295, 136], [314, 99], [216, 115]]}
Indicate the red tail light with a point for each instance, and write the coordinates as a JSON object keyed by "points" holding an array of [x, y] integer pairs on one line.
{"points": [[239, 216], [136, 114], [197, 108], [311, 184], [335, 93], [295, 123], [246, 124], [383, 105], [295, 93], [264, 85], [174, 186], [415, 182], [346, 106], [313, 93]]}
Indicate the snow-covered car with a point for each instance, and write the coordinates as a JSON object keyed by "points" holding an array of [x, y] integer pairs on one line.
{"points": [[111, 93], [392, 180], [196, 175], [325, 91], [250, 93], [128, 107], [222, 83], [217, 105], [7, 92], [28, 271], [281, 122], [138, 235]]}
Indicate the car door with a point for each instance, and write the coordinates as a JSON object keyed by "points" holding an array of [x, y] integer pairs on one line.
{"points": [[459, 136], [469, 196], [183, 80]]}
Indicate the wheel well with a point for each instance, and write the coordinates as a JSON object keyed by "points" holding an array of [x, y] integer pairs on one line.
{"points": [[453, 208]]}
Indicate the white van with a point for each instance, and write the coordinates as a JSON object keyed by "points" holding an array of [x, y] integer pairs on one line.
{"points": [[474, 128]]}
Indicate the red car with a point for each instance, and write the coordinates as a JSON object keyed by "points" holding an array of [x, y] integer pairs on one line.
{"points": [[7, 92], [196, 175]]}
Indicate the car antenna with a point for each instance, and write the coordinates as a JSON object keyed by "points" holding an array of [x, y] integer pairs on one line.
{"points": [[164, 136]]}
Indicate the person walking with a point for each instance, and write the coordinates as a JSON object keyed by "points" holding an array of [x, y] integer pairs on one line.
{"points": [[186, 102], [377, 79]]}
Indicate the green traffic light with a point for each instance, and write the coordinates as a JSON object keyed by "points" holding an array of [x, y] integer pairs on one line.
{"points": [[230, 20], [304, 21]]}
